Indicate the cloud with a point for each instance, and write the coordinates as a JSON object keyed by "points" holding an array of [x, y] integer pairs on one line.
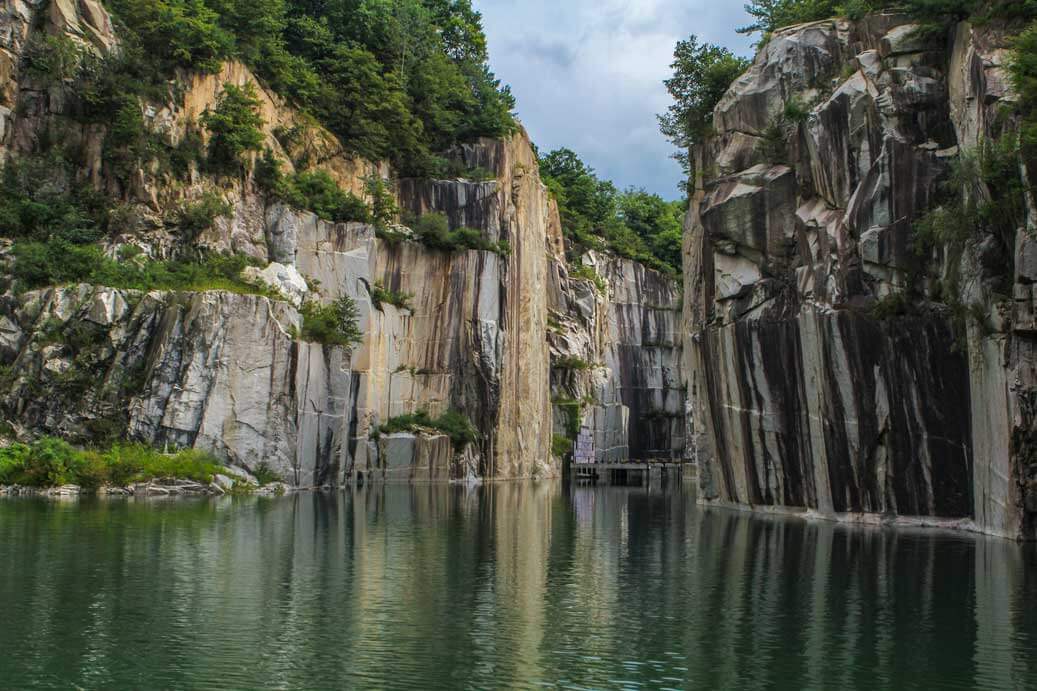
{"points": [[539, 49], [588, 75]]}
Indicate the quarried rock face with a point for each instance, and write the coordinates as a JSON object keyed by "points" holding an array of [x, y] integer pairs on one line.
{"points": [[225, 372], [216, 371], [840, 414], [616, 345], [471, 336], [458, 331], [828, 364]]}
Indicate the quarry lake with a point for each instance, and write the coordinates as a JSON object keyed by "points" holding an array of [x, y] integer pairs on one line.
{"points": [[499, 586]]}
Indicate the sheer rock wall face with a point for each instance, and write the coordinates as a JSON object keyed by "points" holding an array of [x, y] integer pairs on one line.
{"points": [[628, 331], [801, 397], [226, 373], [223, 372], [472, 339]]}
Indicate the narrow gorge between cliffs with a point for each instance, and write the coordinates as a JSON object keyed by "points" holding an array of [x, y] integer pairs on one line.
{"points": [[316, 371]]}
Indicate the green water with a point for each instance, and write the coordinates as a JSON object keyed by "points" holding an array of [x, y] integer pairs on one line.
{"points": [[509, 586]]}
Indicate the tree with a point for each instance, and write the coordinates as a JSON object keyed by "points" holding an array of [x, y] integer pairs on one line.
{"points": [[177, 33], [587, 203], [657, 221], [771, 15], [1023, 71], [460, 29], [257, 26], [702, 74], [395, 79], [235, 127], [634, 224]]}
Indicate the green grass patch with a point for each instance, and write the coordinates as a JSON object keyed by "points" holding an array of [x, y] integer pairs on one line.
{"points": [[572, 363], [572, 409], [561, 446], [380, 295], [52, 462], [314, 191], [584, 272], [433, 230], [265, 475], [57, 262], [197, 216], [451, 423]]}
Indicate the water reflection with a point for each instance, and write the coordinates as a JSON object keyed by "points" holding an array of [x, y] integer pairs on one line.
{"points": [[504, 585]]}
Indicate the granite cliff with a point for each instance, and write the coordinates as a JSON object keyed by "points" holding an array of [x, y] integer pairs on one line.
{"points": [[466, 331], [850, 352]]}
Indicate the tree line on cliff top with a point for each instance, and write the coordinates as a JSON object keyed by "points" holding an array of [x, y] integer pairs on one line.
{"points": [[703, 72], [395, 79], [401, 80], [633, 223]]}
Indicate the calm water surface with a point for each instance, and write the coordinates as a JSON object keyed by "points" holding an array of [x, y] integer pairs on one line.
{"points": [[507, 586]]}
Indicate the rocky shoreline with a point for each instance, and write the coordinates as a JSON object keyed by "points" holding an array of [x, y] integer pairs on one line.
{"points": [[165, 487]]}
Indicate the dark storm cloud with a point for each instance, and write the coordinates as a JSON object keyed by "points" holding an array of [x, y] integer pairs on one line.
{"points": [[588, 75]]}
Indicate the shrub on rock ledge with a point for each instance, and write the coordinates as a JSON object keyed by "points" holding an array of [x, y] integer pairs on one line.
{"points": [[336, 324], [451, 423]]}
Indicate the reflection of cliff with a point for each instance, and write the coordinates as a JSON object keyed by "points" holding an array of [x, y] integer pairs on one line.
{"points": [[502, 585]]}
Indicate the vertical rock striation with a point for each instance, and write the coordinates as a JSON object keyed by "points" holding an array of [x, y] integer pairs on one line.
{"points": [[224, 372], [228, 373], [813, 385], [616, 344]]}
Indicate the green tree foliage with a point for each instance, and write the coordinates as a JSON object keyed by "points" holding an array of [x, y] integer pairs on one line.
{"points": [[51, 59], [58, 262], [40, 200], [335, 324], [771, 15], [595, 215], [176, 33], [702, 73], [313, 190], [235, 128], [56, 222], [433, 230], [584, 201], [396, 79], [196, 217], [1023, 70], [324, 197], [561, 445], [383, 205], [451, 423], [659, 222], [983, 195], [380, 295]]}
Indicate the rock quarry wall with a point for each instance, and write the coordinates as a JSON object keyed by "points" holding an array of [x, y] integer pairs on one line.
{"points": [[805, 393], [616, 360], [227, 373]]}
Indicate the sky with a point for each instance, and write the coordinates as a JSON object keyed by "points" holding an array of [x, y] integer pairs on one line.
{"points": [[588, 75]]}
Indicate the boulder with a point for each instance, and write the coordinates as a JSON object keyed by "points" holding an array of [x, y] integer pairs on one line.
{"points": [[282, 279]]}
